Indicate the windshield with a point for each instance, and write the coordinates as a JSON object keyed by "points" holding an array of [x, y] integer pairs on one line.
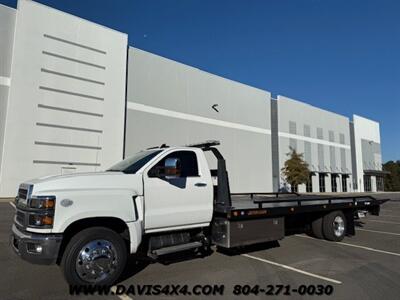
{"points": [[132, 164]]}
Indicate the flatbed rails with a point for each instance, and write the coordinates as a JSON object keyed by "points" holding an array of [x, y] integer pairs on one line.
{"points": [[274, 204]]}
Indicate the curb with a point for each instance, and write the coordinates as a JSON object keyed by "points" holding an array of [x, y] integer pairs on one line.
{"points": [[5, 200]]}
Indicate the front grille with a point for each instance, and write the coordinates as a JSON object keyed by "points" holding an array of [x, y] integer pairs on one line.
{"points": [[22, 193], [20, 217]]}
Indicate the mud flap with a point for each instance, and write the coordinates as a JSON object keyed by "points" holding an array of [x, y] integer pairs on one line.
{"points": [[374, 210], [349, 214]]}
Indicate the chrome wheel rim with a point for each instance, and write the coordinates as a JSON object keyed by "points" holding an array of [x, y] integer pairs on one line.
{"points": [[338, 226], [96, 261]]}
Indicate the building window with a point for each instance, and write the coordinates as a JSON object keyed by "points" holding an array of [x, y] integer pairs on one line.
{"points": [[292, 127], [344, 183], [307, 130], [341, 138], [320, 133], [334, 183], [309, 186], [367, 183], [322, 188], [293, 144], [380, 184]]}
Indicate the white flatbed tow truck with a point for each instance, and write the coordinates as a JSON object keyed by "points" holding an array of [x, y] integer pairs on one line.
{"points": [[161, 201]]}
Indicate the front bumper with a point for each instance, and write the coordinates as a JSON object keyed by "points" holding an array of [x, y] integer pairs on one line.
{"points": [[24, 243]]}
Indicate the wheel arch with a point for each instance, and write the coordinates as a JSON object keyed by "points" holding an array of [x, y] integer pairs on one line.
{"points": [[113, 223]]}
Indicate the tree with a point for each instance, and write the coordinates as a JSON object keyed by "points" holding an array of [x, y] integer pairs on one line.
{"points": [[392, 180], [295, 170]]}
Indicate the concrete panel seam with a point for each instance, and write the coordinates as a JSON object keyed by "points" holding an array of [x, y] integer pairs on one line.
{"points": [[70, 93], [73, 59], [71, 76], [67, 145], [69, 127], [70, 110], [51, 162], [74, 43]]}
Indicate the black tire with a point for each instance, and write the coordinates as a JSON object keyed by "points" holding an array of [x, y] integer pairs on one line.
{"points": [[75, 245], [330, 226], [316, 228]]}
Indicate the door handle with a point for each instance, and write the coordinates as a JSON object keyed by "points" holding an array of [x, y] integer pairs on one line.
{"points": [[200, 184]]}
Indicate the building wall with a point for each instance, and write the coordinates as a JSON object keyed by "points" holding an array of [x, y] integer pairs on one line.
{"points": [[321, 136], [67, 96], [7, 26], [171, 103], [371, 153], [367, 145], [62, 109]]}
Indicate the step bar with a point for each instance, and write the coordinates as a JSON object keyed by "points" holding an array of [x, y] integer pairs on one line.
{"points": [[177, 248]]}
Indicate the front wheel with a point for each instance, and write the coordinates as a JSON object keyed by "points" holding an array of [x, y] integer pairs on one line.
{"points": [[94, 256], [334, 226]]}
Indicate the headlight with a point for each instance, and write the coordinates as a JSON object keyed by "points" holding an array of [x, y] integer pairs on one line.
{"points": [[41, 213], [40, 220], [43, 202]]}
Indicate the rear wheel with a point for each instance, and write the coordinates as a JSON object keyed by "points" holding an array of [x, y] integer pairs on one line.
{"points": [[94, 256], [334, 226], [316, 227]]}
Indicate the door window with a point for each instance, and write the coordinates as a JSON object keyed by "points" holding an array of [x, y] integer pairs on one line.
{"points": [[187, 162]]}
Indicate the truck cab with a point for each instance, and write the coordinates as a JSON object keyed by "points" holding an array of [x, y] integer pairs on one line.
{"points": [[163, 189]]}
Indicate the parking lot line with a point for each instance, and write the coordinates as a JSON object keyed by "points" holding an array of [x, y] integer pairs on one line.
{"points": [[379, 221], [388, 210], [292, 269], [351, 245], [377, 231], [12, 204], [390, 216]]}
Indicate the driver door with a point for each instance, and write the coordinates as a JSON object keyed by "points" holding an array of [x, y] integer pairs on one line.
{"points": [[179, 200]]}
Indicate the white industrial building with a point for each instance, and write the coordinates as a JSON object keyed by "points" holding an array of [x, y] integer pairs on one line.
{"points": [[75, 97], [324, 139]]}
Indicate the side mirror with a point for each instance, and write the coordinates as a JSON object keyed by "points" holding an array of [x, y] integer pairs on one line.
{"points": [[172, 168]]}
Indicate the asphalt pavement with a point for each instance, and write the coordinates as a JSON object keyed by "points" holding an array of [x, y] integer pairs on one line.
{"points": [[365, 266]]}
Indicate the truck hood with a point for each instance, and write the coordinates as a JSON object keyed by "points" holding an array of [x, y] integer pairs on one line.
{"points": [[87, 181]]}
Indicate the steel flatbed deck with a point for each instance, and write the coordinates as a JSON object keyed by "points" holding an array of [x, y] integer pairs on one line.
{"points": [[274, 204]]}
